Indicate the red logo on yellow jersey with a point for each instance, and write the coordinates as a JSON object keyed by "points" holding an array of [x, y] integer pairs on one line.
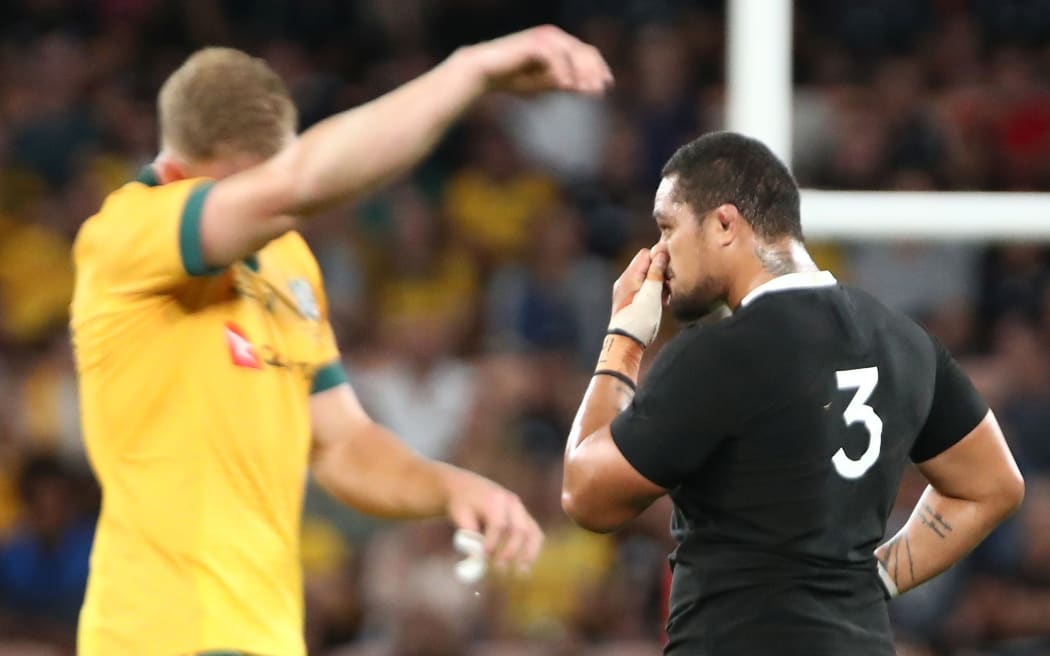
{"points": [[242, 352]]}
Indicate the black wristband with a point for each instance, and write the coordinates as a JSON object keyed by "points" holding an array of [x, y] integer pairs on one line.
{"points": [[624, 333], [618, 376]]}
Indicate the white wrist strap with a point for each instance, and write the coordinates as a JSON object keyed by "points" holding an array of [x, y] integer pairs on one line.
{"points": [[887, 581], [641, 318]]}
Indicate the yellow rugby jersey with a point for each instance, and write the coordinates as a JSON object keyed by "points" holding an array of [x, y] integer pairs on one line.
{"points": [[195, 389]]}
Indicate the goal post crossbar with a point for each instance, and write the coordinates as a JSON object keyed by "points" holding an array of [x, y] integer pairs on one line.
{"points": [[936, 216]]}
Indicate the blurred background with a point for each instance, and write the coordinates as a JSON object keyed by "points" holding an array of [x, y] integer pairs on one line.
{"points": [[470, 300]]}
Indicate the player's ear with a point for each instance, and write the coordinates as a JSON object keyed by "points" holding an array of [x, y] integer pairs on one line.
{"points": [[728, 223], [169, 168]]}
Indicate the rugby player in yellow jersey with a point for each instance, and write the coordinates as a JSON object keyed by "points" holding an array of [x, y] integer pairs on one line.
{"points": [[210, 380]]}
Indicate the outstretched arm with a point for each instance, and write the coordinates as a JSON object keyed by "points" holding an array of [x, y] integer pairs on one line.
{"points": [[974, 485], [349, 154]]}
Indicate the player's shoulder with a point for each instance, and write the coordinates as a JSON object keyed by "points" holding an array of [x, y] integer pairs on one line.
{"points": [[881, 316], [138, 201], [705, 359], [296, 255], [102, 227], [806, 309], [294, 249], [703, 344], [725, 333], [888, 331]]}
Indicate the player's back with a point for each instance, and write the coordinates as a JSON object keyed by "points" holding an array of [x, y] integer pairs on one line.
{"points": [[824, 393], [195, 399]]}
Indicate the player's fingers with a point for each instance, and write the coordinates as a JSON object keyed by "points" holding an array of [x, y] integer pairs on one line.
{"points": [[631, 279], [532, 547], [635, 271], [544, 58], [517, 536], [532, 541], [608, 79], [565, 65], [573, 81], [592, 73], [583, 59], [558, 66], [658, 263], [497, 522], [596, 76], [466, 518]]}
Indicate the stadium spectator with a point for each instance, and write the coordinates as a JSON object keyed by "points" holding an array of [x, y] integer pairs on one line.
{"points": [[43, 560]]}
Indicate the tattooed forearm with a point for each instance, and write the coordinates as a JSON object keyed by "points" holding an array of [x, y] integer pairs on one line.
{"points": [[911, 563], [930, 518], [888, 555], [940, 531], [893, 557]]}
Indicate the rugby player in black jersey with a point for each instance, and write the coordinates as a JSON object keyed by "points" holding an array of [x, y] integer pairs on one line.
{"points": [[780, 432]]}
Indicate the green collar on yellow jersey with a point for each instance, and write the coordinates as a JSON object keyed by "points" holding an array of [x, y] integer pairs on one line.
{"points": [[147, 176]]}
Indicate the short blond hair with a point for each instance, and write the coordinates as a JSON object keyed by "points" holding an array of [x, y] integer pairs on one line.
{"points": [[223, 100]]}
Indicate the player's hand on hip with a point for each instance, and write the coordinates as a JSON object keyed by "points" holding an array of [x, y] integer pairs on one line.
{"points": [[512, 536], [543, 58], [638, 296]]}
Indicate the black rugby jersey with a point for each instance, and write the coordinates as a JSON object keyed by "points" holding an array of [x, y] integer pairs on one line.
{"points": [[781, 433]]}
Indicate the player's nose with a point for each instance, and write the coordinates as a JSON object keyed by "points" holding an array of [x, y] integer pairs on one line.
{"points": [[658, 264]]}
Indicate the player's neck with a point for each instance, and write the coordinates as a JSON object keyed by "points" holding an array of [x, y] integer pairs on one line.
{"points": [[170, 166], [771, 260]]}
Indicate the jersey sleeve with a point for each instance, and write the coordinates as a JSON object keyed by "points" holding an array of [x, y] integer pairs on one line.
{"points": [[956, 409], [147, 239], [330, 371], [677, 418]]}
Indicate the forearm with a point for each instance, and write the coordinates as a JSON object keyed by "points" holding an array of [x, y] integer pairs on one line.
{"points": [[939, 533], [632, 326], [601, 491], [608, 393], [376, 474], [350, 153]]}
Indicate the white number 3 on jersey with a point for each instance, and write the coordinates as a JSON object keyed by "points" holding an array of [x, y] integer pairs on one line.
{"points": [[858, 411]]}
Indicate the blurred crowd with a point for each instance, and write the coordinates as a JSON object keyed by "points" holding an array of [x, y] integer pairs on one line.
{"points": [[471, 298]]}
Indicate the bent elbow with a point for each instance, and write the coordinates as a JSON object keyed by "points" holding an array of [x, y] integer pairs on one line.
{"points": [[583, 516], [1005, 498], [1012, 494]]}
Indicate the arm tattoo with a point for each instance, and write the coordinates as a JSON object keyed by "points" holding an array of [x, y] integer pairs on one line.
{"points": [[896, 554], [911, 564], [891, 560], [933, 520], [777, 262], [887, 557]]}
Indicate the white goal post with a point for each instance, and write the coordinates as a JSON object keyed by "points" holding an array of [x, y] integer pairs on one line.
{"points": [[759, 104]]}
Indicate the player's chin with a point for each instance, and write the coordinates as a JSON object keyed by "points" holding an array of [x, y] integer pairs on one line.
{"points": [[688, 309]]}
